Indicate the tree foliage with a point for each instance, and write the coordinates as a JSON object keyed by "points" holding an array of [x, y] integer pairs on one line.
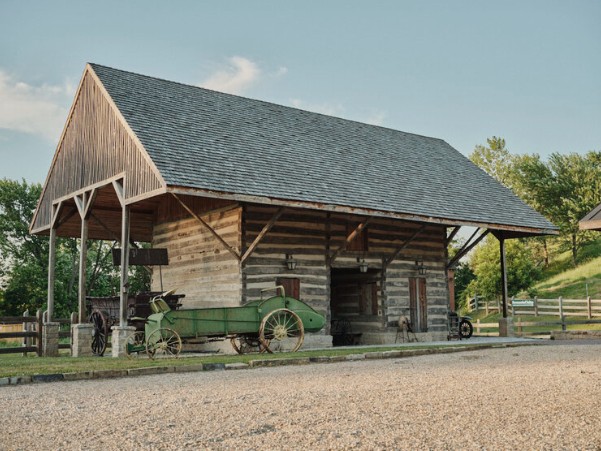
{"points": [[24, 260]]}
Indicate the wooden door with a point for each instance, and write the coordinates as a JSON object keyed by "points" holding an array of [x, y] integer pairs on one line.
{"points": [[418, 304], [291, 286]]}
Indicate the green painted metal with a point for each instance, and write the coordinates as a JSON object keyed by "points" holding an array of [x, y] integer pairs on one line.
{"points": [[229, 321]]}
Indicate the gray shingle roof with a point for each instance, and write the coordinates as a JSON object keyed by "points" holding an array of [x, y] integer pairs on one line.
{"points": [[209, 140]]}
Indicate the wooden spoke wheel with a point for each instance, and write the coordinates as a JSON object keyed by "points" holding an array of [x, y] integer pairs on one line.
{"points": [[163, 342], [100, 332], [135, 344], [244, 344], [282, 330], [465, 329]]}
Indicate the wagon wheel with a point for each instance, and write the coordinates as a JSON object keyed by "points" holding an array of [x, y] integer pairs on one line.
{"points": [[164, 342], [100, 332], [135, 344], [243, 344], [465, 329], [282, 330]]}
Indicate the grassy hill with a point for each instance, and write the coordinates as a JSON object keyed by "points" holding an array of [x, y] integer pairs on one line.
{"points": [[562, 279]]}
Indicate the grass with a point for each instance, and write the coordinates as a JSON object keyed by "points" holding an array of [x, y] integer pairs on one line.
{"points": [[573, 283], [17, 365]]}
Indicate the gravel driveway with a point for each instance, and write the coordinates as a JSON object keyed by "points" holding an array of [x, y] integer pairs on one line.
{"points": [[535, 397]]}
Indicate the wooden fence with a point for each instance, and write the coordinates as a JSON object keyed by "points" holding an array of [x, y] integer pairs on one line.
{"points": [[524, 328], [28, 329], [586, 308]]}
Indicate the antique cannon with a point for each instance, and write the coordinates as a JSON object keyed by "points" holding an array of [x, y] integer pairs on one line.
{"points": [[266, 325]]}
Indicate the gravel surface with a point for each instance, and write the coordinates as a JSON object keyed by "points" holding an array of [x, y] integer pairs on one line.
{"points": [[535, 397]]}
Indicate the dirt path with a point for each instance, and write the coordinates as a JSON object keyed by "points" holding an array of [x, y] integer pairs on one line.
{"points": [[539, 397]]}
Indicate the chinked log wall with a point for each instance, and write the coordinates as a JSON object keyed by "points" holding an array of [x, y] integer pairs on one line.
{"points": [[310, 236], [199, 266]]}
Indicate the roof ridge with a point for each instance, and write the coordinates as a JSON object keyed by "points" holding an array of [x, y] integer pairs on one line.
{"points": [[268, 102]]}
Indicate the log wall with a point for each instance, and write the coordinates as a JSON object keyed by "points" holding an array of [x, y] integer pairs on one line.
{"points": [[199, 265], [311, 236]]}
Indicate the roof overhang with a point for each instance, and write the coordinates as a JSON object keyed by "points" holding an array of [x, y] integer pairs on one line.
{"points": [[506, 230], [592, 221]]}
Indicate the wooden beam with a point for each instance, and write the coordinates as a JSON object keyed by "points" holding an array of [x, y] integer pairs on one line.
{"points": [[209, 228], [501, 239], [124, 266], [263, 232], [83, 257], [349, 239], [452, 235], [465, 249], [51, 271], [119, 190], [403, 246]]}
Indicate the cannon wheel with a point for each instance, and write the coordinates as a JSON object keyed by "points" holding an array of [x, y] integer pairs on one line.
{"points": [[282, 330], [100, 332], [465, 329], [134, 344], [163, 342], [243, 344]]}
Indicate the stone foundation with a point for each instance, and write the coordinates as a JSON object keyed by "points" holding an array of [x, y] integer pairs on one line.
{"points": [[506, 327], [50, 339], [81, 340], [118, 338]]}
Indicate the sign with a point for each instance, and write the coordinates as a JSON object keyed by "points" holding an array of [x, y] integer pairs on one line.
{"points": [[522, 302]]}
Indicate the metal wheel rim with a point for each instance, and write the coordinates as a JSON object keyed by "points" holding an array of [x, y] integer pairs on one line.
{"points": [[282, 330], [135, 339], [99, 333], [165, 342]]}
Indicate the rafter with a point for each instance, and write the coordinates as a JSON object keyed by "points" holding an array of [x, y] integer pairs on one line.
{"points": [[349, 239], [263, 232]]}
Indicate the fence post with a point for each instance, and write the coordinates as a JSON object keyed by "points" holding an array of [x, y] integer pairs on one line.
{"points": [[561, 307], [520, 326], [499, 305], [478, 326], [563, 323], [535, 305], [590, 308], [40, 322], [26, 340], [486, 307], [512, 309]]}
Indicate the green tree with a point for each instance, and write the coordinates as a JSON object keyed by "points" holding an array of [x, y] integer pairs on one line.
{"points": [[495, 160], [522, 272]]}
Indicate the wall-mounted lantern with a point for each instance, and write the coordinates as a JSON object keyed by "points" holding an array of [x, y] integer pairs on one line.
{"points": [[362, 265], [290, 262], [420, 268]]}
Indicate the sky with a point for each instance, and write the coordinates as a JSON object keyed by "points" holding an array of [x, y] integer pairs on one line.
{"points": [[463, 70]]}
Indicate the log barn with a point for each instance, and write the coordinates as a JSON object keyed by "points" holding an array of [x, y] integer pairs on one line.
{"points": [[354, 219]]}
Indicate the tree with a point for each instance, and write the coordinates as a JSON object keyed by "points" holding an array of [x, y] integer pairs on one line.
{"points": [[485, 264], [24, 260], [495, 160]]}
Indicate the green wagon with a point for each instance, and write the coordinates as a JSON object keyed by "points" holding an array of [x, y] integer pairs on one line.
{"points": [[270, 325]]}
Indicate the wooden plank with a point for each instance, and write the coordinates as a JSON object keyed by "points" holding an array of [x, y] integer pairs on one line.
{"points": [[263, 232], [209, 228]]}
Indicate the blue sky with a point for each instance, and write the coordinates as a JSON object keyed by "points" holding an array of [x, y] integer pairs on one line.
{"points": [[462, 70]]}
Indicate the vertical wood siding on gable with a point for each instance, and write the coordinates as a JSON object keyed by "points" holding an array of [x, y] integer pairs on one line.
{"points": [[95, 147], [199, 266]]}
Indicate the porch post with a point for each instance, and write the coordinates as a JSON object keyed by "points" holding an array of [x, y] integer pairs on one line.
{"points": [[124, 266], [51, 271], [505, 323], [83, 257]]}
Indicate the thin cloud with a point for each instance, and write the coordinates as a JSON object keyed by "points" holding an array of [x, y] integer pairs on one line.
{"points": [[376, 118], [38, 110], [238, 76], [323, 108]]}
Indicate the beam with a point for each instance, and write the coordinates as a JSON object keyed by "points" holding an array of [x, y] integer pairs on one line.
{"points": [[263, 232], [501, 239], [83, 258], [349, 239], [452, 235], [209, 228], [396, 253], [466, 248], [124, 266]]}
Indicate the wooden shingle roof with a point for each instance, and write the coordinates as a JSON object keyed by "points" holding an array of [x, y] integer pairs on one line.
{"points": [[246, 149]]}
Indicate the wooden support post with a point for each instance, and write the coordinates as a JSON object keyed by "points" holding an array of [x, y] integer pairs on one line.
{"points": [[51, 271], [83, 257], [590, 307], [124, 266], [349, 239], [535, 305], [561, 307], [512, 307], [503, 274]]}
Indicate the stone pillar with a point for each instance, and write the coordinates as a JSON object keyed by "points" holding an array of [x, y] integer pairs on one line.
{"points": [[50, 339], [81, 339], [118, 338], [506, 327]]}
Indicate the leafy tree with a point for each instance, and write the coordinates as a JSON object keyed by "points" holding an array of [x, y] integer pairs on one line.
{"points": [[485, 264], [495, 159], [24, 260]]}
